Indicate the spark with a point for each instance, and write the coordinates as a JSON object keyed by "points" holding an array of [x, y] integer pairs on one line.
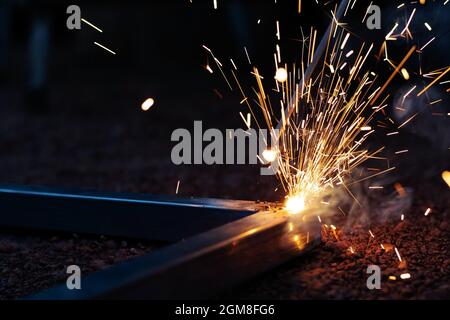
{"points": [[408, 121], [405, 276], [281, 75], [409, 21], [426, 44], [428, 26], [207, 67], [392, 133], [92, 25], [147, 104], [427, 212], [234, 65], [398, 254], [392, 278], [410, 52], [435, 102], [248, 56], [269, 155], [345, 41], [105, 48], [371, 234], [432, 83], [178, 187], [405, 74], [388, 36], [446, 177], [291, 226]]}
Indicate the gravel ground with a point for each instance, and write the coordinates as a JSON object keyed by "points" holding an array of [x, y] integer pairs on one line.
{"points": [[334, 271], [29, 263]]}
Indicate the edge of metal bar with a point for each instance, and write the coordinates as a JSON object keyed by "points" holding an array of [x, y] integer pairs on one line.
{"points": [[158, 218], [202, 266]]}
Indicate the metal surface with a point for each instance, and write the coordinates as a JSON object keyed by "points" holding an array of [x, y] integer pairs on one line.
{"points": [[202, 266], [159, 218]]}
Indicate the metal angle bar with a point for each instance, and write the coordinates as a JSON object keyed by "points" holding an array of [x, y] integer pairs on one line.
{"points": [[159, 218], [204, 265]]}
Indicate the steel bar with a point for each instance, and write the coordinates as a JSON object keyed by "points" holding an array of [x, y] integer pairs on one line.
{"points": [[202, 266], [221, 243], [159, 218]]}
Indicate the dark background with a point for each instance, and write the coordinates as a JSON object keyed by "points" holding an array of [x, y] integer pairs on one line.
{"points": [[83, 127]]}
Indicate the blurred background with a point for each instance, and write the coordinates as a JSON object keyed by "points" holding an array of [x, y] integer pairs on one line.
{"points": [[70, 112]]}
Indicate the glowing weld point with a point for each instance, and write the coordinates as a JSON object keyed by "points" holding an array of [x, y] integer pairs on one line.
{"points": [[147, 104], [295, 205], [281, 75]]}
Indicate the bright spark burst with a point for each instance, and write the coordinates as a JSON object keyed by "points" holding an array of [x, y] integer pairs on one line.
{"points": [[329, 103], [295, 204]]}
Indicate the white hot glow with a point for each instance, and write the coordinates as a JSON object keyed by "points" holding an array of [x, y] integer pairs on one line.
{"points": [[295, 204]]}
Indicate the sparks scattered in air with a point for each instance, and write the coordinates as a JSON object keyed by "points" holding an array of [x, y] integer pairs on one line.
{"points": [[329, 103], [325, 114]]}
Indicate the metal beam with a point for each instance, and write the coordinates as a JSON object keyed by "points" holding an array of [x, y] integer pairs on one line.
{"points": [[221, 243], [160, 218], [202, 266]]}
